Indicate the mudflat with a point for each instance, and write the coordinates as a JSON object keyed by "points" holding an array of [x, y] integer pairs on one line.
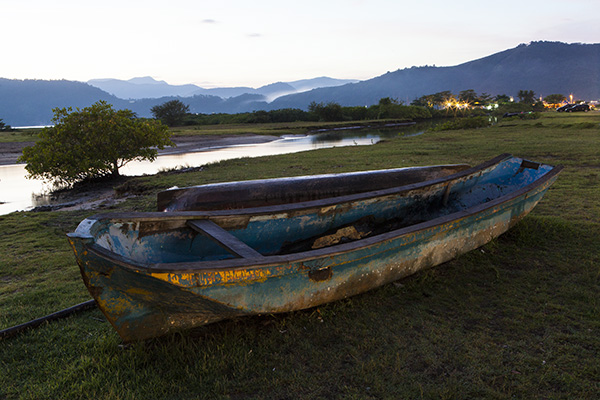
{"points": [[11, 151]]}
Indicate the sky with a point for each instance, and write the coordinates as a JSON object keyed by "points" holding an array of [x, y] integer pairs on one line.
{"points": [[218, 43]]}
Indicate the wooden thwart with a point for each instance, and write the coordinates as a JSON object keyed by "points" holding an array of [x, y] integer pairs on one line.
{"points": [[223, 238]]}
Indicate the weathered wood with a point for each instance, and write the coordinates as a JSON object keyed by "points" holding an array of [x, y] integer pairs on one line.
{"points": [[151, 274], [269, 192], [12, 331], [223, 238]]}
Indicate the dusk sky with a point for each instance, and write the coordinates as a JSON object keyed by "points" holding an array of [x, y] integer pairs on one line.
{"points": [[253, 43]]}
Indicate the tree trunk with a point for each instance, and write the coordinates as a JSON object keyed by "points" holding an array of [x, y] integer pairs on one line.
{"points": [[115, 170]]}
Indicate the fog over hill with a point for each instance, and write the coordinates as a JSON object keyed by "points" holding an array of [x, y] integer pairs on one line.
{"points": [[147, 87], [544, 67]]}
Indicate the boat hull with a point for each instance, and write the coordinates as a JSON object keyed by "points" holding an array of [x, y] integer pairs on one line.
{"points": [[143, 301]]}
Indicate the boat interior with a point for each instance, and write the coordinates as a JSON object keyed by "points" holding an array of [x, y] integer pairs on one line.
{"points": [[255, 233]]}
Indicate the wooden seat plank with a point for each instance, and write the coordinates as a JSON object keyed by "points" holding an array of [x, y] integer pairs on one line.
{"points": [[223, 238]]}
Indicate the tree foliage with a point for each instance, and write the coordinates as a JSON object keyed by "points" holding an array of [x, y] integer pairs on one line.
{"points": [[327, 112], [502, 99], [4, 127], [435, 100], [555, 98], [468, 96], [92, 142], [171, 113], [526, 96]]}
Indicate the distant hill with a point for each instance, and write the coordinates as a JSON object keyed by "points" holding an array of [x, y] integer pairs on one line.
{"points": [[544, 67], [147, 87], [30, 102], [140, 88]]}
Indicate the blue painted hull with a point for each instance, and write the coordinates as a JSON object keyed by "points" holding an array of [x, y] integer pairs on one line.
{"points": [[150, 273]]}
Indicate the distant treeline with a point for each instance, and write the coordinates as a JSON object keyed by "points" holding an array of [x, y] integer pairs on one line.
{"points": [[426, 107], [326, 112]]}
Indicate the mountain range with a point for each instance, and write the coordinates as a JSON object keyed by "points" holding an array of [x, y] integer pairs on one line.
{"points": [[544, 67], [148, 87]]}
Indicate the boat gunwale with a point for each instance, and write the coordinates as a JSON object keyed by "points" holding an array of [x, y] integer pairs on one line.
{"points": [[151, 216], [266, 261], [172, 192], [309, 177]]}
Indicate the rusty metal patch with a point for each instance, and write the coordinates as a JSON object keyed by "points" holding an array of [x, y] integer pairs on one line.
{"points": [[320, 275]]}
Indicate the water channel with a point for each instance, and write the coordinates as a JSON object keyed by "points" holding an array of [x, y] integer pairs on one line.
{"points": [[19, 193]]}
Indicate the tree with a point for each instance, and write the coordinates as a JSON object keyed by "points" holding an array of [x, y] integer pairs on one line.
{"points": [[468, 96], [327, 112], [502, 99], [526, 96], [555, 98], [171, 113], [485, 98], [438, 100], [424, 101], [388, 101], [4, 127], [385, 107], [443, 98], [92, 142]]}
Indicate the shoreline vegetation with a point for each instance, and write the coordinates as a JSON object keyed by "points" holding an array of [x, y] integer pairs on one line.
{"points": [[519, 317]]}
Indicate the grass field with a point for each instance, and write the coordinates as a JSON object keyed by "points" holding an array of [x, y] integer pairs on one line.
{"points": [[278, 128], [19, 135], [518, 318]]}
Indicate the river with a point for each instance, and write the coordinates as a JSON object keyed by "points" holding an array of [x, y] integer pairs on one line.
{"points": [[19, 193]]}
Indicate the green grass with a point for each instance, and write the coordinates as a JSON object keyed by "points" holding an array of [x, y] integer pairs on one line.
{"points": [[19, 135], [278, 128], [518, 318]]}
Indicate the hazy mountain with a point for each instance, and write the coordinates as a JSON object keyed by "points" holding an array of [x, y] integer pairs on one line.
{"points": [[148, 87], [544, 67], [141, 88], [304, 85], [203, 104], [30, 102]]}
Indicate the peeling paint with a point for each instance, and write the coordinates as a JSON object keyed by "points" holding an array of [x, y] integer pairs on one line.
{"points": [[188, 280]]}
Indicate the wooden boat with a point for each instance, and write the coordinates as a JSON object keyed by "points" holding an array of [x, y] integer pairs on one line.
{"points": [[264, 192], [153, 273]]}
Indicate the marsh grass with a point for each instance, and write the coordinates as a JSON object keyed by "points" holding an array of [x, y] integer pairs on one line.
{"points": [[518, 318]]}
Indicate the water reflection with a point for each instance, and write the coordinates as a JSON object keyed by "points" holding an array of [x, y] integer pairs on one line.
{"points": [[19, 193], [285, 145]]}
